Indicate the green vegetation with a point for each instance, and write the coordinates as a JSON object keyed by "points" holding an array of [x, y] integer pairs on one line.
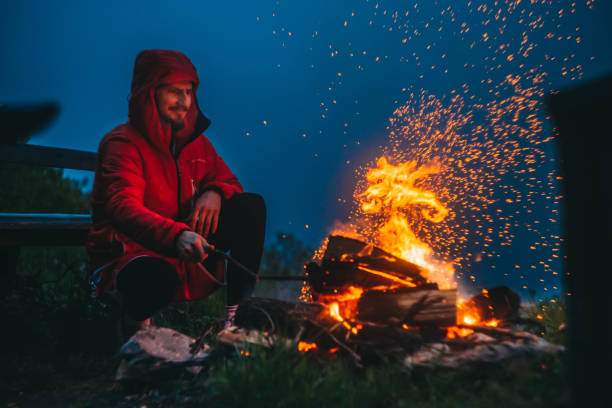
{"points": [[51, 323], [35, 189], [551, 313], [285, 378]]}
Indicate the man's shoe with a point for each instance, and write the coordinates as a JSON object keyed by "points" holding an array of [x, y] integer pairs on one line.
{"points": [[230, 316]]}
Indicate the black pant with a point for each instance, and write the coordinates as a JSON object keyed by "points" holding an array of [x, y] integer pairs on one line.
{"points": [[147, 283]]}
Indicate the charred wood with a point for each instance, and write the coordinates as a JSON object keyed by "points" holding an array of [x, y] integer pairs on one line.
{"points": [[499, 302], [349, 261], [409, 306]]}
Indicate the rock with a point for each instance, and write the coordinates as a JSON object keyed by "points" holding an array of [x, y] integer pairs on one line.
{"points": [[153, 350], [426, 355], [478, 348]]}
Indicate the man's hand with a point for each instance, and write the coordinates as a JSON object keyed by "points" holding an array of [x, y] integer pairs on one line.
{"points": [[192, 246], [205, 215]]}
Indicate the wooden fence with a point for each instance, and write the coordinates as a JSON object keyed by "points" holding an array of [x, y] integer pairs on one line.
{"points": [[36, 229]]}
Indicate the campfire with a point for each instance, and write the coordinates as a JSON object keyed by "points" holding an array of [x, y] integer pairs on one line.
{"points": [[375, 290], [400, 281], [373, 306], [368, 305]]}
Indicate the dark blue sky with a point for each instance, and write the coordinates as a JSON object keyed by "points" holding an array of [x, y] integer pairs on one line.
{"points": [[299, 93]]}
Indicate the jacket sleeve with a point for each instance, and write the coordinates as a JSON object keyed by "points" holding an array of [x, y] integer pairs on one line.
{"points": [[121, 170], [223, 180]]}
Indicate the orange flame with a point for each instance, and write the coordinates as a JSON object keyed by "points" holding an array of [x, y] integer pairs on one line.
{"points": [[468, 315], [492, 323], [349, 293], [347, 301], [387, 276], [394, 187], [334, 311], [454, 332], [391, 191]]}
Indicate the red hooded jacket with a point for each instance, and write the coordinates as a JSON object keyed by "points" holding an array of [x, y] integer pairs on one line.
{"points": [[142, 193]]}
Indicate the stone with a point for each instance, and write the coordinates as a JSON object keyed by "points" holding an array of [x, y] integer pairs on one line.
{"points": [[153, 350]]}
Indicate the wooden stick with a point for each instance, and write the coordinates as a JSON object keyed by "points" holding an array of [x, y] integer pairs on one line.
{"points": [[285, 278]]}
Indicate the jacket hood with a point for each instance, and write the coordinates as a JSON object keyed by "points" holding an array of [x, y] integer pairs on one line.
{"points": [[153, 68]]}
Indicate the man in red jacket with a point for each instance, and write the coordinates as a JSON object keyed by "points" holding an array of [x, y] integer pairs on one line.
{"points": [[162, 197]]}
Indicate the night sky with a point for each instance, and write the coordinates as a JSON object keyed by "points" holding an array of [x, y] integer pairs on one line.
{"points": [[300, 93]]}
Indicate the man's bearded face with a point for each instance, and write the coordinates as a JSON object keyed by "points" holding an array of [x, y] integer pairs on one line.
{"points": [[173, 102]]}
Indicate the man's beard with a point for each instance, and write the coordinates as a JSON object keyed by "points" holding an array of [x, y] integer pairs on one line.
{"points": [[173, 124]]}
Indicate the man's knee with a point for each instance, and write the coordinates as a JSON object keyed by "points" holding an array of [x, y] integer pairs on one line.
{"points": [[250, 203]]}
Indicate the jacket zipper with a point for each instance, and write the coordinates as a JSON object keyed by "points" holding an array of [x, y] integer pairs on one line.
{"points": [[178, 197], [175, 155]]}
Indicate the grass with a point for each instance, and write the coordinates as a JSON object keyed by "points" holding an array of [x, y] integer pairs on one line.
{"points": [[551, 314], [190, 317], [285, 378]]}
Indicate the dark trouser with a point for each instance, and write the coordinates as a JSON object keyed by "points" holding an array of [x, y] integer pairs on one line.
{"points": [[147, 283]]}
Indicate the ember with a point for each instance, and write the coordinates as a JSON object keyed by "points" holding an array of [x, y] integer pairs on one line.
{"points": [[305, 346], [454, 331]]}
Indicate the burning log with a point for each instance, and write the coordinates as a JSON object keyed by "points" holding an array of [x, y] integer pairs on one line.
{"points": [[369, 284], [351, 262], [409, 306], [499, 302]]}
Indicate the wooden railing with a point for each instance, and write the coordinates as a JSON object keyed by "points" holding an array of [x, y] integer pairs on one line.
{"points": [[18, 229], [43, 229], [48, 156], [29, 229]]}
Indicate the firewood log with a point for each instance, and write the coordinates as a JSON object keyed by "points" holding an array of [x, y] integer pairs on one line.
{"points": [[410, 306], [499, 302], [349, 261]]}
